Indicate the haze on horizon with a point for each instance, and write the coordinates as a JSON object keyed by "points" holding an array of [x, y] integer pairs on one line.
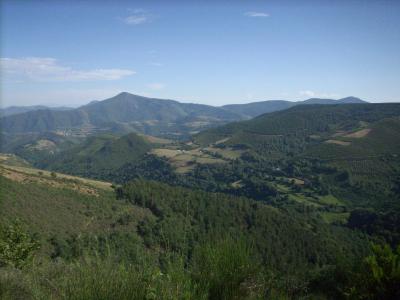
{"points": [[57, 53]]}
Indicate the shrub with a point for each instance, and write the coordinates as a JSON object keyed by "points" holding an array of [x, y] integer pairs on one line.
{"points": [[16, 246]]}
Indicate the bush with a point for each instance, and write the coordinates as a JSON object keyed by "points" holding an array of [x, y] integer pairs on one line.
{"points": [[16, 246]]}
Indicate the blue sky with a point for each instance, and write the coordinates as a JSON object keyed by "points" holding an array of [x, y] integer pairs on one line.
{"points": [[211, 52]]}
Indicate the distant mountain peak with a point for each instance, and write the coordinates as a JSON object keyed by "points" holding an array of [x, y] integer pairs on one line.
{"points": [[351, 99], [124, 94]]}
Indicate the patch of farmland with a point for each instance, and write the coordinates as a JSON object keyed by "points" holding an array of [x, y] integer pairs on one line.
{"points": [[337, 142], [358, 134]]}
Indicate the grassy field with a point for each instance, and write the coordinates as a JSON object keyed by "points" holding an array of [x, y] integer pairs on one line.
{"points": [[227, 153], [35, 175], [156, 140], [185, 160], [13, 160], [63, 206], [334, 217]]}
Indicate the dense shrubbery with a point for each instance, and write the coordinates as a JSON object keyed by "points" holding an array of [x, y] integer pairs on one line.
{"points": [[226, 268]]}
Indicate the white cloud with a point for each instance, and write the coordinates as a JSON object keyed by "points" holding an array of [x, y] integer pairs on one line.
{"points": [[313, 94], [57, 97], [138, 16], [255, 14], [49, 69], [307, 93], [156, 86]]}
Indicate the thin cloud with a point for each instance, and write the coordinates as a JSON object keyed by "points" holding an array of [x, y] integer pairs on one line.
{"points": [[156, 86], [313, 94], [255, 14], [49, 69], [307, 93], [138, 16]]}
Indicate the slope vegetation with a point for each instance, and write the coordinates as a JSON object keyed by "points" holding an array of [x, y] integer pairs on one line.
{"points": [[99, 155], [254, 109]]}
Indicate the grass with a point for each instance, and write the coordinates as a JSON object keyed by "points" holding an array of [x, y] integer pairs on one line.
{"points": [[227, 153], [335, 217], [156, 140], [303, 199], [13, 160], [54, 207], [329, 200], [225, 269], [185, 160], [37, 173]]}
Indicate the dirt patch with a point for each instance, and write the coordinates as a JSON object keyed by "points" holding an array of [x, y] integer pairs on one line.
{"points": [[336, 142], [237, 184], [222, 141], [359, 134], [296, 181], [14, 176]]}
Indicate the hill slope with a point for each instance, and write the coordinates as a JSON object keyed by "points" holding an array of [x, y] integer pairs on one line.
{"points": [[58, 207], [61, 207], [254, 109], [99, 154], [299, 123], [13, 110], [351, 150]]}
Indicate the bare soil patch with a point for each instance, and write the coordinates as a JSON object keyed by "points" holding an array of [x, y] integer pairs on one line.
{"points": [[341, 143], [359, 134]]}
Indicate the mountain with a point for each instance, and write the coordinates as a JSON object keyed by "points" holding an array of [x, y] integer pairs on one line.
{"points": [[254, 109], [127, 112], [347, 100], [13, 110], [122, 113], [38, 145], [126, 107], [300, 121], [250, 110]]}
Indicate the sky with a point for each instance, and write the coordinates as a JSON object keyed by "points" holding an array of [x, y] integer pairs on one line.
{"points": [[211, 52]]}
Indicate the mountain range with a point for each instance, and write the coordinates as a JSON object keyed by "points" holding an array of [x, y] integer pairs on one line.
{"points": [[14, 110], [126, 112], [254, 109]]}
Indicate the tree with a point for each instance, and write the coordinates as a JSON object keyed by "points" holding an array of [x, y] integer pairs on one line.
{"points": [[380, 276], [16, 246]]}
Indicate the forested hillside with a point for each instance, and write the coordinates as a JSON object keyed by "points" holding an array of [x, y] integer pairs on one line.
{"points": [[254, 109], [69, 216], [102, 154], [284, 206]]}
